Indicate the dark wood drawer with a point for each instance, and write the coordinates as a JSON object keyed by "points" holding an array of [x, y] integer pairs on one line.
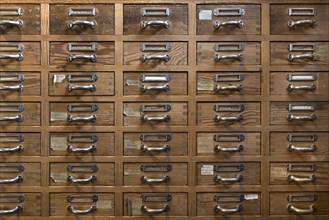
{"points": [[20, 174], [19, 144], [20, 204]]}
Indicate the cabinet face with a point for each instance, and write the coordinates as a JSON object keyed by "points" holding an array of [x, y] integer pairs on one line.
{"points": [[25, 204], [20, 114], [19, 144]]}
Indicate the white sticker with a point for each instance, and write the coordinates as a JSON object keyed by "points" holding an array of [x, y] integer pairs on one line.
{"points": [[59, 177], [104, 204], [251, 196], [58, 143], [132, 82], [205, 144], [130, 144], [205, 85], [205, 15], [58, 116], [132, 172], [131, 112], [207, 170], [59, 78]]}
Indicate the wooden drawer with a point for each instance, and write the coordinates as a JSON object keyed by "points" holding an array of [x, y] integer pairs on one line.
{"points": [[21, 204], [155, 114], [20, 19], [81, 174], [19, 144], [228, 83], [228, 53], [89, 114], [302, 53], [155, 84], [300, 19], [82, 204], [20, 174], [299, 203], [155, 174], [81, 144], [155, 144], [20, 114], [228, 19], [81, 84], [225, 204], [155, 53], [228, 114], [216, 174], [91, 19], [159, 19], [155, 204], [305, 173], [299, 113], [228, 144]]}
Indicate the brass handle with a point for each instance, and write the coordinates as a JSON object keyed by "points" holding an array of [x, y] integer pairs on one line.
{"points": [[18, 57], [219, 118], [91, 118], [89, 149], [307, 56], [311, 148], [17, 118], [219, 148], [292, 24], [92, 24], [15, 210], [91, 88], [90, 179], [18, 148], [145, 179], [91, 58], [237, 208], [12, 88], [219, 57], [238, 178], [145, 209], [145, 24], [81, 212], [308, 179], [219, 88], [17, 179], [18, 23], [165, 118], [291, 87], [292, 117], [292, 208], [145, 148], [164, 57], [165, 88], [218, 24]]}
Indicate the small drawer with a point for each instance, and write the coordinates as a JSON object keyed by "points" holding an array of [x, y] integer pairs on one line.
{"points": [[20, 114], [228, 53], [82, 204], [159, 19], [19, 144], [299, 203], [155, 144], [81, 84], [155, 174], [81, 144], [155, 84], [20, 204], [81, 174], [228, 83], [225, 204], [227, 174], [228, 144], [20, 19], [300, 19], [20, 174], [228, 19], [155, 114], [306, 173], [88, 114], [73, 19], [155, 53], [228, 114], [155, 204]]}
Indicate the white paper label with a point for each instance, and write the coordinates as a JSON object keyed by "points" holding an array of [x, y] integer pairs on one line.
{"points": [[58, 116], [132, 82], [132, 172], [279, 171], [130, 144], [205, 144], [251, 196], [207, 170], [58, 143], [59, 78], [205, 85], [104, 204], [59, 177], [205, 15], [134, 206], [131, 112]]}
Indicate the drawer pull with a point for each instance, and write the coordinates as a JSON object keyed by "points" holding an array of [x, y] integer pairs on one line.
{"points": [[18, 57], [81, 212], [145, 24], [238, 148], [165, 118], [90, 179], [145, 179], [165, 57], [18, 148], [291, 87], [145, 148], [92, 24], [302, 12], [146, 12], [218, 24], [91, 88], [311, 148], [15, 210], [165, 88], [89, 149], [292, 24], [17, 118], [229, 12], [13, 88], [292, 117], [237, 208], [219, 118], [219, 57], [91, 58], [18, 23], [17, 179], [72, 118], [306, 56], [292, 208], [309, 179], [219, 88], [238, 178], [145, 209]]}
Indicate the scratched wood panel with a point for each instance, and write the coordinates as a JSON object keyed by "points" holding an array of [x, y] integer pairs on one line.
{"points": [[20, 174], [20, 114], [27, 144], [29, 202]]}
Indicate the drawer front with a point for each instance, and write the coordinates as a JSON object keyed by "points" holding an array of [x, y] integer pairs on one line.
{"points": [[163, 19], [227, 174], [300, 19], [228, 144], [302, 53], [224, 204], [71, 19], [21, 204], [228, 19], [299, 113], [155, 174], [155, 84], [88, 114], [155, 114], [81, 144], [20, 114], [228, 114], [20, 174], [81, 84], [299, 203], [155, 53], [20, 19], [228, 53], [81, 174], [19, 144], [165, 204], [228, 83], [82, 204], [305, 173]]}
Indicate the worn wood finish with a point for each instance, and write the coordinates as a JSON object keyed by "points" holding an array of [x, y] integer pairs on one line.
{"points": [[30, 144], [31, 203], [24, 113], [29, 173]]}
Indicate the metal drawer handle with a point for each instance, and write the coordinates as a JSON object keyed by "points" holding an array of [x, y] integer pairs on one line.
{"points": [[90, 179], [292, 24], [238, 148], [165, 88], [218, 118], [17, 179], [145, 24], [18, 57], [70, 24], [145, 148], [18, 23], [310, 210], [17, 118], [218, 24], [292, 117], [165, 118], [238, 178], [15, 210], [81, 212], [291, 87], [145, 179], [165, 57], [219, 57], [89, 149], [237, 208], [91, 58], [145, 209], [307, 56], [12, 88], [91, 118], [309, 179], [219, 88], [18, 148], [311, 148], [91, 88]]}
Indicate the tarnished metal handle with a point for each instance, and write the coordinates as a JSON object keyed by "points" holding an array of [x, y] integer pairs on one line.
{"points": [[145, 148], [237, 208], [311, 148], [12, 88], [219, 148], [17, 179], [17, 118], [91, 88], [15, 210], [92, 24], [82, 212], [91, 118], [308, 179], [238, 178], [91, 58], [165, 88], [219, 118], [307, 56], [90, 179], [165, 118], [219, 57], [18, 57], [89, 149], [292, 117], [164, 57], [218, 24], [164, 179], [145, 24], [219, 88], [17, 23], [291, 87], [145, 209], [18, 148], [292, 208], [292, 24]]}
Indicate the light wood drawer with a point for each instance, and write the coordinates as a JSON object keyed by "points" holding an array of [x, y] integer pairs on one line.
{"points": [[163, 204], [299, 19], [21, 204], [20, 114], [91, 19], [20, 19], [20, 174], [155, 19], [228, 174], [228, 19], [19, 144], [82, 204], [226, 204], [89, 114], [81, 174], [155, 53], [81, 144]]}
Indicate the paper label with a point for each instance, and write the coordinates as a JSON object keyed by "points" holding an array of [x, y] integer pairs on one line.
{"points": [[58, 143], [207, 170], [104, 204], [205, 15], [58, 116], [279, 171], [251, 196], [134, 206], [59, 78], [130, 144], [132, 82], [205, 85], [131, 112], [132, 172], [205, 144], [59, 177]]}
